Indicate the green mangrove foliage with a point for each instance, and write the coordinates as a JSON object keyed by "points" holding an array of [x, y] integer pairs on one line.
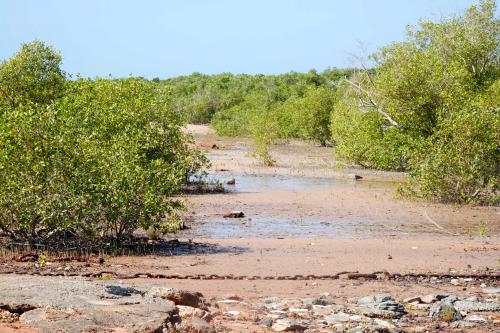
{"points": [[97, 158], [430, 106]]}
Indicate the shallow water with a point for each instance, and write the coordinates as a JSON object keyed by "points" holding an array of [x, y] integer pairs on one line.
{"points": [[303, 225], [262, 183], [271, 227]]}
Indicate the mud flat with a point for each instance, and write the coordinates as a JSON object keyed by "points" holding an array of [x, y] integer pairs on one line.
{"points": [[315, 251]]}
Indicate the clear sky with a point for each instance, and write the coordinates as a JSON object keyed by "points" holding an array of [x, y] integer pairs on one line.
{"points": [[155, 38]]}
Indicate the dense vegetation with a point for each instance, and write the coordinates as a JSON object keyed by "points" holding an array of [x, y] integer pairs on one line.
{"points": [[431, 107], [264, 107], [94, 158]]}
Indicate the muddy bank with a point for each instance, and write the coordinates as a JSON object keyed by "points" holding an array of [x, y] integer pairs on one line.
{"points": [[308, 195]]}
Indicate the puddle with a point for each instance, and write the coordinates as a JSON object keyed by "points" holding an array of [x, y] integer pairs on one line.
{"points": [[264, 183], [269, 227], [261, 223]]}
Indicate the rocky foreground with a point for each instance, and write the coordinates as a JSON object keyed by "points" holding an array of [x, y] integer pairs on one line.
{"points": [[72, 304]]}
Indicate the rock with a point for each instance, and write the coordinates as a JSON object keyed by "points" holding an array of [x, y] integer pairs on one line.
{"points": [[384, 323], [354, 176], [412, 299], [387, 310], [380, 306], [338, 328], [357, 318], [74, 304], [266, 321], [178, 296], [457, 282], [278, 314], [131, 318], [8, 317], [444, 311], [122, 291], [371, 299], [270, 300], [228, 301], [463, 324], [467, 306], [233, 297], [317, 301], [477, 319], [418, 306], [232, 181], [357, 329], [232, 314], [491, 291], [186, 312], [282, 325], [214, 146], [432, 298], [450, 299], [195, 325], [234, 214], [375, 329], [338, 318]]}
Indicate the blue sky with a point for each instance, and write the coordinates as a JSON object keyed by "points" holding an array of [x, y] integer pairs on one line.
{"points": [[155, 38]]}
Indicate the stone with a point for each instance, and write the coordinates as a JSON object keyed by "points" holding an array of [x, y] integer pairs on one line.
{"points": [[444, 311], [467, 306], [338, 318], [232, 314], [195, 324], [131, 318], [387, 310], [462, 324], [371, 299], [283, 325], [278, 314], [354, 176], [491, 291], [450, 299], [178, 296], [266, 321], [418, 306], [122, 291], [228, 301], [186, 312], [75, 304], [235, 214], [432, 298], [384, 323], [270, 300], [357, 318], [412, 299], [8, 317], [476, 319], [317, 301], [232, 181]]}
